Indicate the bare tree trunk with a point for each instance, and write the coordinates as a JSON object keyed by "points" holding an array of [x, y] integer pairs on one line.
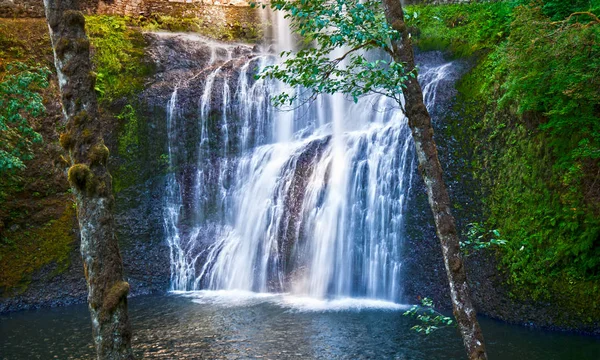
{"points": [[429, 165], [90, 181]]}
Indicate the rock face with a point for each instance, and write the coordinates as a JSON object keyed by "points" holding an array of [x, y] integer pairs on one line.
{"points": [[424, 274], [183, 61]]}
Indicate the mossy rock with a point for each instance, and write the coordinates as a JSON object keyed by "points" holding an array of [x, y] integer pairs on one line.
{"points": [[26, 251]]}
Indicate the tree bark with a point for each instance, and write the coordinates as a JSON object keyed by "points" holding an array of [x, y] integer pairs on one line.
{"points": [[90, 181], [430, 168]]}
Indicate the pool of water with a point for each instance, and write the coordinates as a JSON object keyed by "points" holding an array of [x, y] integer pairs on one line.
{"points": [[230, 325]]}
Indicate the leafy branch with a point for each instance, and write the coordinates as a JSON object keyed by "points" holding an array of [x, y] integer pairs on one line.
{"points": [[20, 100], [430, 319], [477, 238], [346, 50], [594, 18]]}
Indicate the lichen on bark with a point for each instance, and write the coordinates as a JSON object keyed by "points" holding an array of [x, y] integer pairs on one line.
{"points": [[90, 181]]}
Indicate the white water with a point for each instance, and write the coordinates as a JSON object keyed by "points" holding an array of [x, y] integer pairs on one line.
{"points": [[309, 202], [237, 298]]}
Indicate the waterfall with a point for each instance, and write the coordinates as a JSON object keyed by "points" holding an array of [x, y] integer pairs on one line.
{"points": [[310, 201]]}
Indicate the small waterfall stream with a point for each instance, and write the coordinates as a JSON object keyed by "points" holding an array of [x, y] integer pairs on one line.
{"points": [[310, 201]]}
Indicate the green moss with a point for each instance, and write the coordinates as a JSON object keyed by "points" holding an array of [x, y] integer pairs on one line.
{"points": [[129, 135], [74, 18], [66, 140], [463, 29], [99, 154], [79, 176], [118, 57], [24, 252], [522, 192], [130, 127], [80, 117], [111, 299], [531, 138]]}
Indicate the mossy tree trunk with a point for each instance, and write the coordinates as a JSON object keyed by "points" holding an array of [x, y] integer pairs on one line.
{"points": [[90, 181], [430, 168]]}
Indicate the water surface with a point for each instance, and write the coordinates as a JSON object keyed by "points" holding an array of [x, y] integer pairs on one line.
{"points": [[233, 325]]}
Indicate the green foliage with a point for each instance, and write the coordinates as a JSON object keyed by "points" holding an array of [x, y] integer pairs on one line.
{"points": [[462, 28], [128, 137], [560, 9], [20, 101], [429, 318], [352, 31], [118, 56], [558, 77], [477, 238], [552, 69], [531, 108], [129, 149]]}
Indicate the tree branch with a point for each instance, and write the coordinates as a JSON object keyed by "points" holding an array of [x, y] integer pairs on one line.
{"points": [[592, 15]]}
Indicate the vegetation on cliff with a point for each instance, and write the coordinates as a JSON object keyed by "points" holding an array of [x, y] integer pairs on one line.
{"points": [[31, 249], [24, 77], [36, 219], [34, 228], [20, 98], [532, 109], [118, 57]]}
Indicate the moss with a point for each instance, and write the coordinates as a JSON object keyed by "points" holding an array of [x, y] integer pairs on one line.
{"points": [[129, 135], [516, 181], [74, 18], [137, 160], [548, 233], [22, 253], [462, 29], [79, 176], [576, 298], [118, 57], [80, 117], [99, 154], [114, 296], [87, 136], [66, 140], [62, 46]]}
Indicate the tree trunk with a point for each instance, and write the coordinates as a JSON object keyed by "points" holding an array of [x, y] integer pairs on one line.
{"points": [[90, 181], [429, 166]]}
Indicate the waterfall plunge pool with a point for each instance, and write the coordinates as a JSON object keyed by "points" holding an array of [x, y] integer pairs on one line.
{"points": [[242, 325]]}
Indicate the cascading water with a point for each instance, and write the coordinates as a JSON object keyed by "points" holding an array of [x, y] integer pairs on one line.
{"points": [[310, 201]]}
